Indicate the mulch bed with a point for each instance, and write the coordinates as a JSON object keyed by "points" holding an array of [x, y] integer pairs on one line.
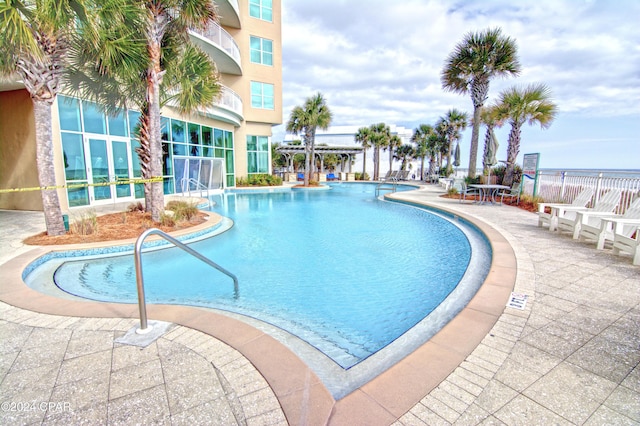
{"points": [[114, 226], [525, 205]]}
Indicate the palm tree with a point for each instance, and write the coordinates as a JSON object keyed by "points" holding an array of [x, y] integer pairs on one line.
{"points": [[278, 160], [436, 144], [452, 124], [363, 137], [380, 136], [143, 56], [471, 66], [35, 37], [516, 105], [405, 153], [306, 119], [394, 143], [420, 137]]}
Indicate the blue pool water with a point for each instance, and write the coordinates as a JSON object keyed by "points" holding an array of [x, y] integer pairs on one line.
{"points": [[341, 269]]}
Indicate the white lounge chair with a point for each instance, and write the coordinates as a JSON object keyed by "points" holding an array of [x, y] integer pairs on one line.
{"points": [[601, 227], [550, 219], [568, 217], [625, 242]]}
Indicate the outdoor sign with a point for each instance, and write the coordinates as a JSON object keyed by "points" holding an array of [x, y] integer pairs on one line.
{"points": [[530, 169], [530, 165], [517, 301]]}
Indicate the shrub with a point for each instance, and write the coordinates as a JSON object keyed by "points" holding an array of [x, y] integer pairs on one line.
{"points": [[135, 207], [472, 181], [181, 210], [259, 180], [529, 202], [452, 191], [498, 172], [86, 224], [360, 177], [167, 218]]}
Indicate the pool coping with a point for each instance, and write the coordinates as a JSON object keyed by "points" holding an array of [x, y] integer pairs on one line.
{"points": [[302, 396]]}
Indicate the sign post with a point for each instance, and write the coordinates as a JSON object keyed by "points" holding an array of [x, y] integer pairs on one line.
{"points": [[530, 169]]}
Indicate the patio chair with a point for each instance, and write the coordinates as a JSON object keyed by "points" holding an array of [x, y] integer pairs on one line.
{"points": [[601, 227], [468, 191], [628, 241], [403, 174], [512, 193], [581, 200], [331, 176], [300, 176], [568, 221], [390, 176]]}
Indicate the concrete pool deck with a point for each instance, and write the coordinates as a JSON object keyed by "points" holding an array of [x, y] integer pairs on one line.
{"points": [[570, 357]]}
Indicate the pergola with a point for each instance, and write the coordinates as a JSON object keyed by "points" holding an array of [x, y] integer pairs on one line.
{"points": [[290, 150]]}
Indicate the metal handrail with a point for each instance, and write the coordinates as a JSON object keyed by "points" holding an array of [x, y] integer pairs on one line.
{"points": [[142, 305], [381, 184], [199, 186]]}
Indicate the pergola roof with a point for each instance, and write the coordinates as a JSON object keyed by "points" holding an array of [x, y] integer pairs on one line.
{"points": [[320, 149]]}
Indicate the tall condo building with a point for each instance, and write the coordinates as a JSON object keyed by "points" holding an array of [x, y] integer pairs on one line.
{"points": [[210, 148]]}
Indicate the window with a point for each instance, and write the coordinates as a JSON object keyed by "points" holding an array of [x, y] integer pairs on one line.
{"points": [[261, 9], [258, 154], [94, 119], [262, 95], [261, 51], [69, 111], [118, 124], [134, 123], [177, 131]]}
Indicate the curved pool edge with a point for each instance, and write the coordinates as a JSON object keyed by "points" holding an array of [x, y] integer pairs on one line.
{"points": [[298, 389]]}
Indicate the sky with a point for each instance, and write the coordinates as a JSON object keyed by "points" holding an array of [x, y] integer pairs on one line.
{"points": [[381, 61]]}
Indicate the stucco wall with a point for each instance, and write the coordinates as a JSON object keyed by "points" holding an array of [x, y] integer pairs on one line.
{"points": [[18, 151]]}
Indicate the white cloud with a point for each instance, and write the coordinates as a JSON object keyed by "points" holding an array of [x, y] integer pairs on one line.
{"points": [[377, 60]]}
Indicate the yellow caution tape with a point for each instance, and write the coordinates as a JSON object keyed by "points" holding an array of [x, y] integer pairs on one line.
{"points": [[82, 185]]}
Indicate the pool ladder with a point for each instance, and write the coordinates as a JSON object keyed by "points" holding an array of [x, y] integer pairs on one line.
{"points": [[142, 305], [387, 184]]}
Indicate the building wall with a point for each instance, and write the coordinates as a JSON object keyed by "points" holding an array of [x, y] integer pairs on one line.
{"points": [[258, 72], [18, 151]]}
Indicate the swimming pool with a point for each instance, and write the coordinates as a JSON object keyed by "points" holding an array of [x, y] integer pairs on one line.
{"points": [[344, 271]]}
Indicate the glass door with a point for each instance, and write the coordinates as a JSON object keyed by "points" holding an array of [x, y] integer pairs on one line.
{"points": [[121, 170], [99, 171], [109, 162]]}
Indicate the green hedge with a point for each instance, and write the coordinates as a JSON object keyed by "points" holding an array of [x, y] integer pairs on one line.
{"points": [[259, 180]]}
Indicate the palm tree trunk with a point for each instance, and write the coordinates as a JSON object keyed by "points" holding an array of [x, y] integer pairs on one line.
{"points": [[376, 161], [475, 136], [46, 168], [513, 149], [307, 163], [154, 79], [364, 163], [479, 91], [313, 156]]}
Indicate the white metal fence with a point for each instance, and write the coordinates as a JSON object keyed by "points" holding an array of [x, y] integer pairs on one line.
{"points": [[563, 186]]}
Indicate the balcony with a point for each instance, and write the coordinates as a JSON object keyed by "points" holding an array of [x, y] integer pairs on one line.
{"points": [[228, 12], [228, 107], [221, 47]]}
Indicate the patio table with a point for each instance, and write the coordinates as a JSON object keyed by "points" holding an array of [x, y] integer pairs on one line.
{"points": [[488, 192]]}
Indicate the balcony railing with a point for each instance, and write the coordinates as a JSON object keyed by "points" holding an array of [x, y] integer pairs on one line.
{"points": [[221, 38], [230, 100]]}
